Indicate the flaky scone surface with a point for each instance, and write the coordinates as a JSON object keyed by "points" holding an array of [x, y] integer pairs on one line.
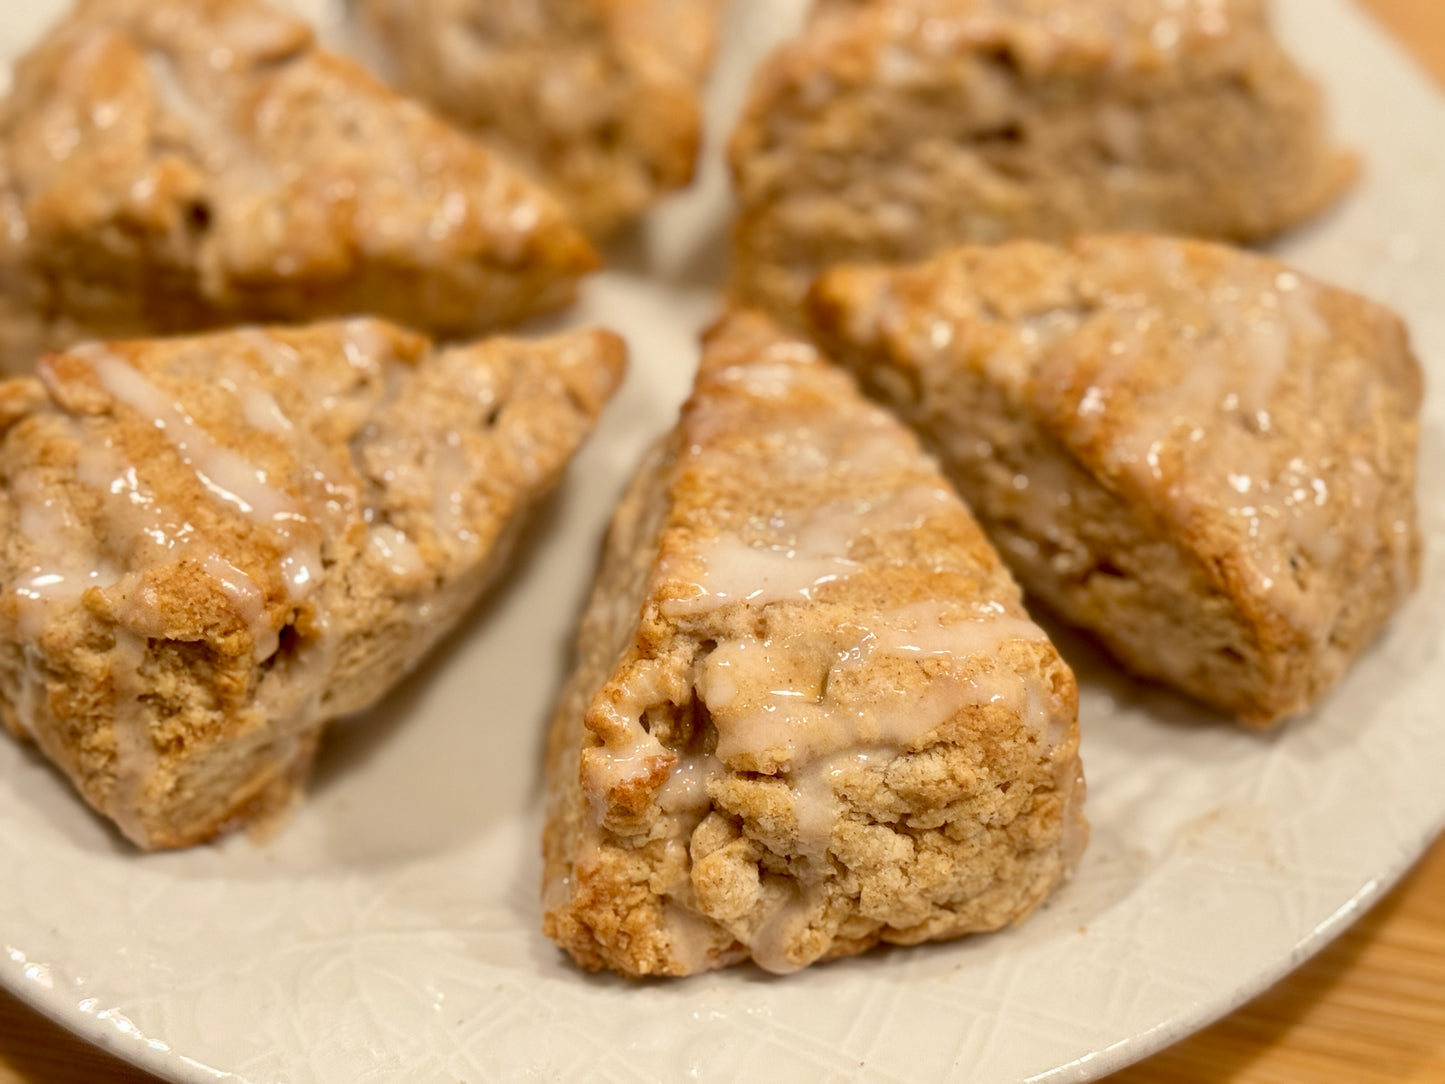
{"points": [[177, 165], [597, 99], [1202, 456], [209, 547], [894, 128], [810, 714]]}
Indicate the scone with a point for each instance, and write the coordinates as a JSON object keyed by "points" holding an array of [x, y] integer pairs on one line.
{"points": [[895, 128], [1202, 457], [211, 546], [598, 99], [170, 166], [809, 713]]}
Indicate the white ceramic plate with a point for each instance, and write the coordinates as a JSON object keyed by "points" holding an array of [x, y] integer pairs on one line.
{"points": [[391, 932]]}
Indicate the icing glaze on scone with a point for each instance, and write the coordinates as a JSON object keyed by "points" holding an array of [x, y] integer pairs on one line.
{"points": [[600, 100], [170, 166], [226, 475], [221, 543], [892, 129], [824, 660], [1128, 33], [1129, 408]]}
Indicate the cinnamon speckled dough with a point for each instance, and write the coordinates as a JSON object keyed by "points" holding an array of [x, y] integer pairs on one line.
{"points": [[809, 713], [895, 128], [209, 547], [178, 165], [1198, 454], [598, 99]]}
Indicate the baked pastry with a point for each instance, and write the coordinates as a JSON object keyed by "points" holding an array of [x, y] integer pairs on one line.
{"points": [[1201, 456], [170, 166], [895, 128], [598, 99], [211, 546], [809, 713]]}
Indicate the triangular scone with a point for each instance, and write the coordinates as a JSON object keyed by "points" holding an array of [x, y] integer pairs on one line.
{"points": [[598, 99], [211, 546], [178, 165], [810, 714], [1201, 456], [895, 128]]}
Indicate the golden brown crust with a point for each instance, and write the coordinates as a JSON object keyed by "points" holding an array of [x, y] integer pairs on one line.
{"points": [[177, 165], [213, 546], [895, 128], [1200, 455], [809, 713], [597, 99]]}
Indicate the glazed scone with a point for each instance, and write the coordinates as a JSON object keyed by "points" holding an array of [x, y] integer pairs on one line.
{"points": [[211, 546], [1201, 456], [809, 713], [598, 99], [170, 166], [895, 128]]}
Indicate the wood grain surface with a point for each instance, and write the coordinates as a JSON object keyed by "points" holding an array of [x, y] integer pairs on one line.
{"points": [[1419, 24], [1369, 1009]]}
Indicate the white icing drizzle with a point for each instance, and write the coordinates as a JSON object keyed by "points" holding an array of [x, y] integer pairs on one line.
{"points": [[775, 708], [631, 752], [807, 552], [226, 155], [396, 551], [1127, 33], [812, 708], [278, 356], [624, 762], [769, 942], [137, 533], [685, 793], [134, 531], [690, 937], [737, 572], [1204, 440], [134, 515], [247, 598], [174, 98], [262, 412], [65, 567], [814, 789], [769, 701], [229, 477], [919, 631], [864, 445], [365, 346], [767, 380], [452, 476]]}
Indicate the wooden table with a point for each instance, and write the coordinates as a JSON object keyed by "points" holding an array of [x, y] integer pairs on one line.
{"points": [[1370, 1009]]}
